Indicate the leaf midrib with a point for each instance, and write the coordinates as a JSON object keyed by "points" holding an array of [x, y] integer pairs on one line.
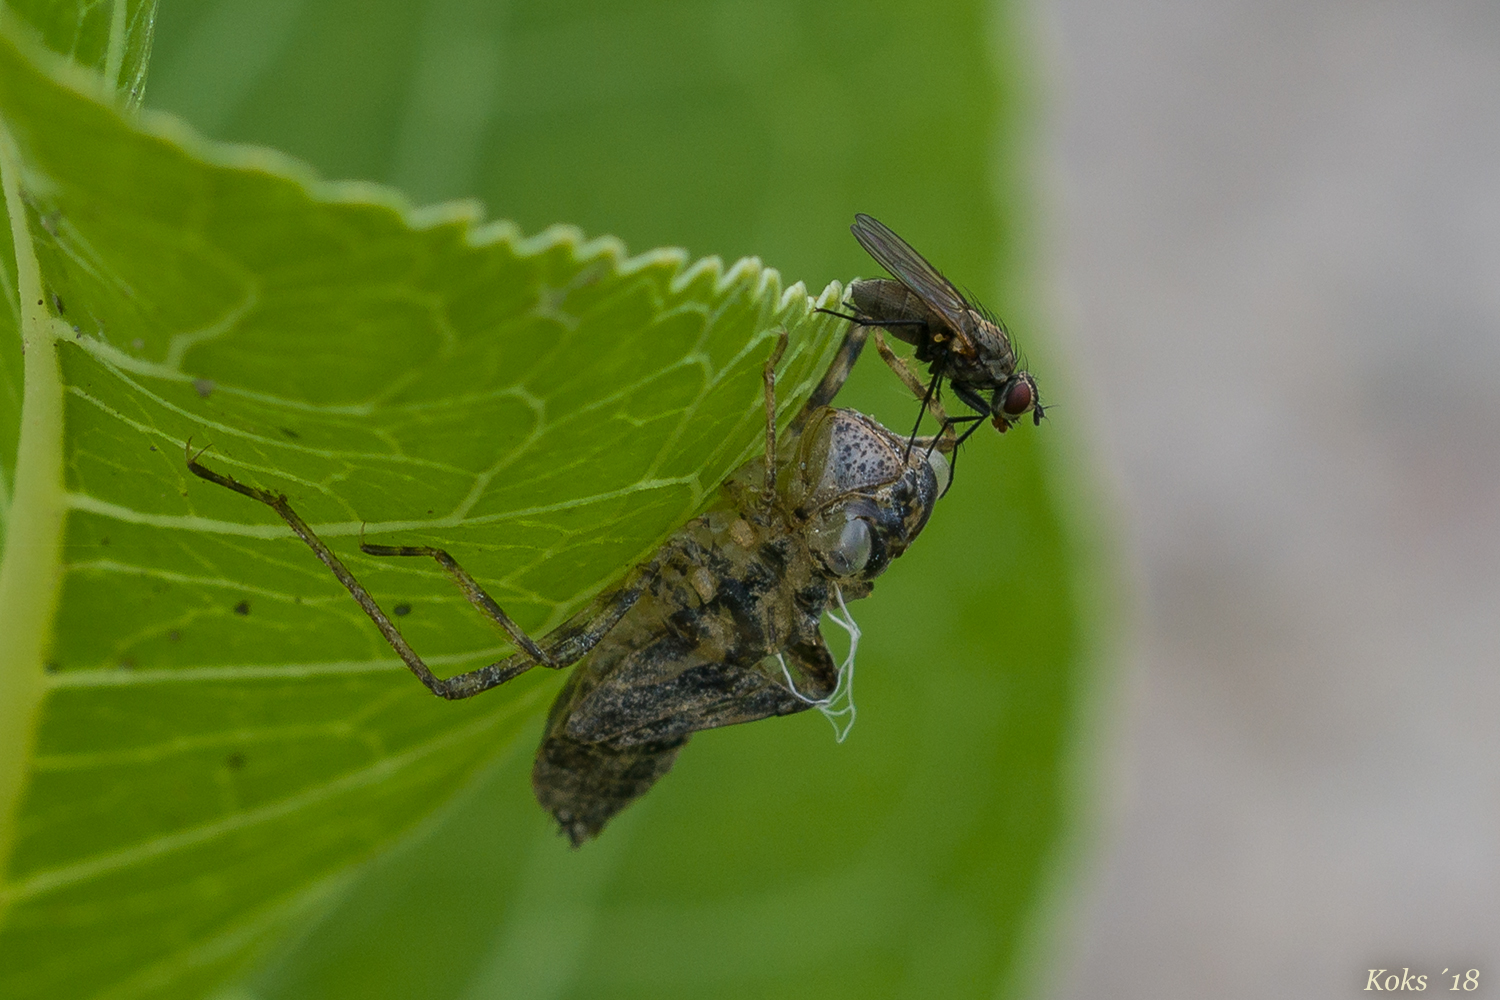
{"points": [[31, 568]]}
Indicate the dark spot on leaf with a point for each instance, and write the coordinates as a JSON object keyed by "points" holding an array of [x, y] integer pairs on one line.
{"points": [[127, 664], [38, 301], [290, 433], [401, 610], [174, 636], [242, 608], [104, 541], [57, 303], [153, 447], [52, 666], [203, 386], [235, 761]]}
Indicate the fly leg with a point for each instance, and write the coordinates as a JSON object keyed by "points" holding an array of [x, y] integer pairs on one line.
{"points": [[843, 362], [975, 422], [945, 440], [885, 324], [907, 376], [563, 647], [927, 394]]}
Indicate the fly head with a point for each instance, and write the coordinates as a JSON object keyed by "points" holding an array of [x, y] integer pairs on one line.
{"points": [[1013, 400]]}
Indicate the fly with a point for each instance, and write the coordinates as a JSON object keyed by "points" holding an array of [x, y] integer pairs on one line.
{"points": [[957, 339], [720, 626]]}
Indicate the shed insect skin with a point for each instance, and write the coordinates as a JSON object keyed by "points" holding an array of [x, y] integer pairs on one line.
{"points": [[696, 637], [956, 338]]}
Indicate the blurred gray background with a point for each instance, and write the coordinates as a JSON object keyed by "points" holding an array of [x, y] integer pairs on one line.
{"points": [[1276, 240]]}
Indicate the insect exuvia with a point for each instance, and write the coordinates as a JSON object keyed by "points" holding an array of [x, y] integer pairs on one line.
{"points": [[956, 338], [720, 626]]}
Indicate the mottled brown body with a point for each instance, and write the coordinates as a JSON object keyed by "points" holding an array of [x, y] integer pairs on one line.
{"points": [[720, 626], [732, 610]]}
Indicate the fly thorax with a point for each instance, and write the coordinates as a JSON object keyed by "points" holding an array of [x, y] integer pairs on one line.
{"points": [[992, 350]]}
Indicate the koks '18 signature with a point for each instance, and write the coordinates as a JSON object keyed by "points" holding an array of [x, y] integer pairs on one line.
{"points": [[1384, 979]]}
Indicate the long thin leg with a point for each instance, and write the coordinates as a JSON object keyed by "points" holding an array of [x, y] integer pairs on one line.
{"points": [[975, 422], [564, 646], [944, 440], [471, 590], [871, 321], [927, 400], [909, 378], [842, 363], [768, 376]]}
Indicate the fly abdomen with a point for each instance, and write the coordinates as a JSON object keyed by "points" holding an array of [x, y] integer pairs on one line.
{"points": [[882, 300]]}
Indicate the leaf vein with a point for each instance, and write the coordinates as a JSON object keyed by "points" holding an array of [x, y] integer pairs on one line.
{"points": [[92, 678], [50, 880], [207, 525]]}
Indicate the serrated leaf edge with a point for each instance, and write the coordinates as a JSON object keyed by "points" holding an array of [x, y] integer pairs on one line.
{"points": [[39, 502]]}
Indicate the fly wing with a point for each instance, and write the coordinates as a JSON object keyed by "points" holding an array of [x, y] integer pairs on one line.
{"points": [[911, 268]]}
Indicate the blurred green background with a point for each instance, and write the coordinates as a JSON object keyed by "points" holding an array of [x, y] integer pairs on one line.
{"points": [[910, 860]]}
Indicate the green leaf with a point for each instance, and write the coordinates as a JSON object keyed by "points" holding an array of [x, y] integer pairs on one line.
{"points": [[905, 862], [220, 734], [113, 38], [908, 861]]}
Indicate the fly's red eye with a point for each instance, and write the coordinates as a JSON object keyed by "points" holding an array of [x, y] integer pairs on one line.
{"points": [[1017, 399]]}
